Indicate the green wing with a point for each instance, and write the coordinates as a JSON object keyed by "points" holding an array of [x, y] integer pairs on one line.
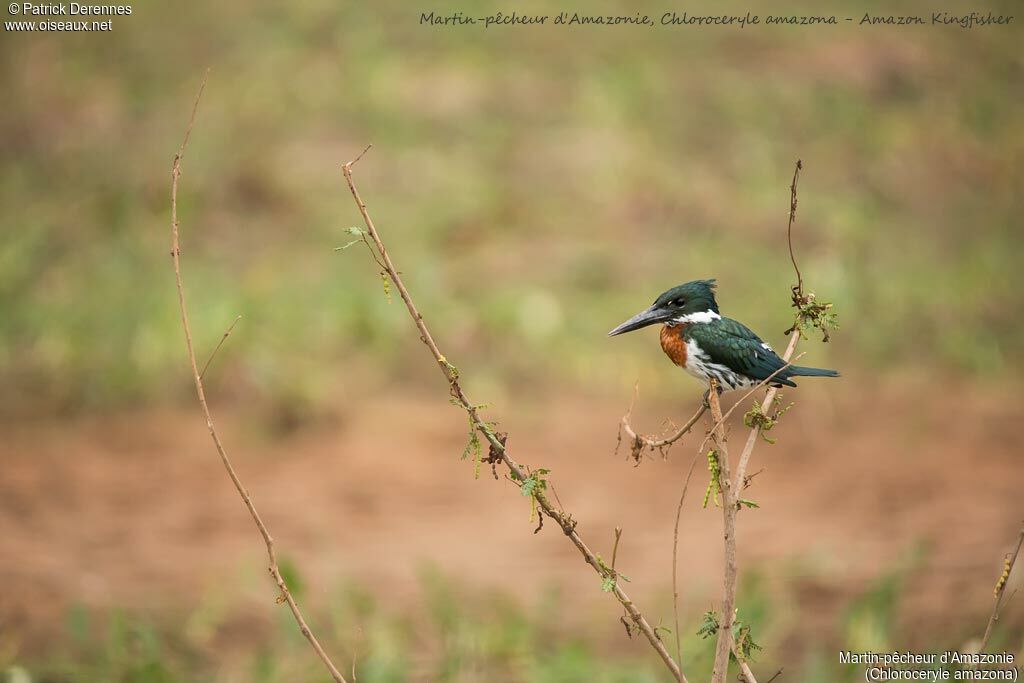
{"points": [[732, 344]]}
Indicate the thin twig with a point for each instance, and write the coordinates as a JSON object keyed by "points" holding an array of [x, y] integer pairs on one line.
{"points": [[286, 595], [675, 560], [777, 674], [355, 654], [1001, 589], [615, 548], [799, 288], [554, 491], [223, 339], [638, 440], [517, 471]]}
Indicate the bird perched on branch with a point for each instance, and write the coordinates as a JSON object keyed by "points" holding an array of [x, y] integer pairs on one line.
{"points": [[705, 344]]}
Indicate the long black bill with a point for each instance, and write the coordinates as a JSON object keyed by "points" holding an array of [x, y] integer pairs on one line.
{"points": [[652, 315]]}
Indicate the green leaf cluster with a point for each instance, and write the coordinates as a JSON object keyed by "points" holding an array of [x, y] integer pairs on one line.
{"points": [[535, 482], [814, 314], [742, 638], [708, 625], [758, 417], [533, 485]]}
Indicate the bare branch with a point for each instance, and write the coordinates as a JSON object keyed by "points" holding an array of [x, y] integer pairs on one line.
{"points": [[1000, 590], [517, 471], [275, 572]]}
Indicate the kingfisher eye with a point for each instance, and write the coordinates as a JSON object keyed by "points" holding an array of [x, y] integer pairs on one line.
{"points": [[678, 303]]}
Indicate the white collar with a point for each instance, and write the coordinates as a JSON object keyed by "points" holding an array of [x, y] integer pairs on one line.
{"points": [[701, 317]]}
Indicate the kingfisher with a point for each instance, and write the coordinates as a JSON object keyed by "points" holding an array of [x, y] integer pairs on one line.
{"points": [[697, 338]]}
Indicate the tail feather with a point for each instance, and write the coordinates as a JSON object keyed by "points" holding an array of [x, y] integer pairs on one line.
{"points": [[801, 371]]}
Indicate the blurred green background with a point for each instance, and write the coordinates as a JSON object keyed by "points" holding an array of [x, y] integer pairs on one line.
{"points": [[537, 186]]}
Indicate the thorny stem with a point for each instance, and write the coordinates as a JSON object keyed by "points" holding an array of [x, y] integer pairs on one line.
{"points": [[517, 471], [275, 572]]}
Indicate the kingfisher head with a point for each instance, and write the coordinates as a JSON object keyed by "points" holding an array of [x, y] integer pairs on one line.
{"points": [[692, 302]]}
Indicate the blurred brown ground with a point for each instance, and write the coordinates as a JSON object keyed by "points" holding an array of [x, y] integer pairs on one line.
{"points": [[134, 509]]}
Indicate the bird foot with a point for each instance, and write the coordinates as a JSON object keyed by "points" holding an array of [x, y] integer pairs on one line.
{"points": [[707, 396]]}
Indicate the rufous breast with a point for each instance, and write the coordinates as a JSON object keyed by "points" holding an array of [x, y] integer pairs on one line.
{"points": [[673, 344]]}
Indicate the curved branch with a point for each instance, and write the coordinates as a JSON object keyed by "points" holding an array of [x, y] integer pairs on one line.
{"points": [[275, 572], [517, 471], [798, 289], [224, 338]]}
